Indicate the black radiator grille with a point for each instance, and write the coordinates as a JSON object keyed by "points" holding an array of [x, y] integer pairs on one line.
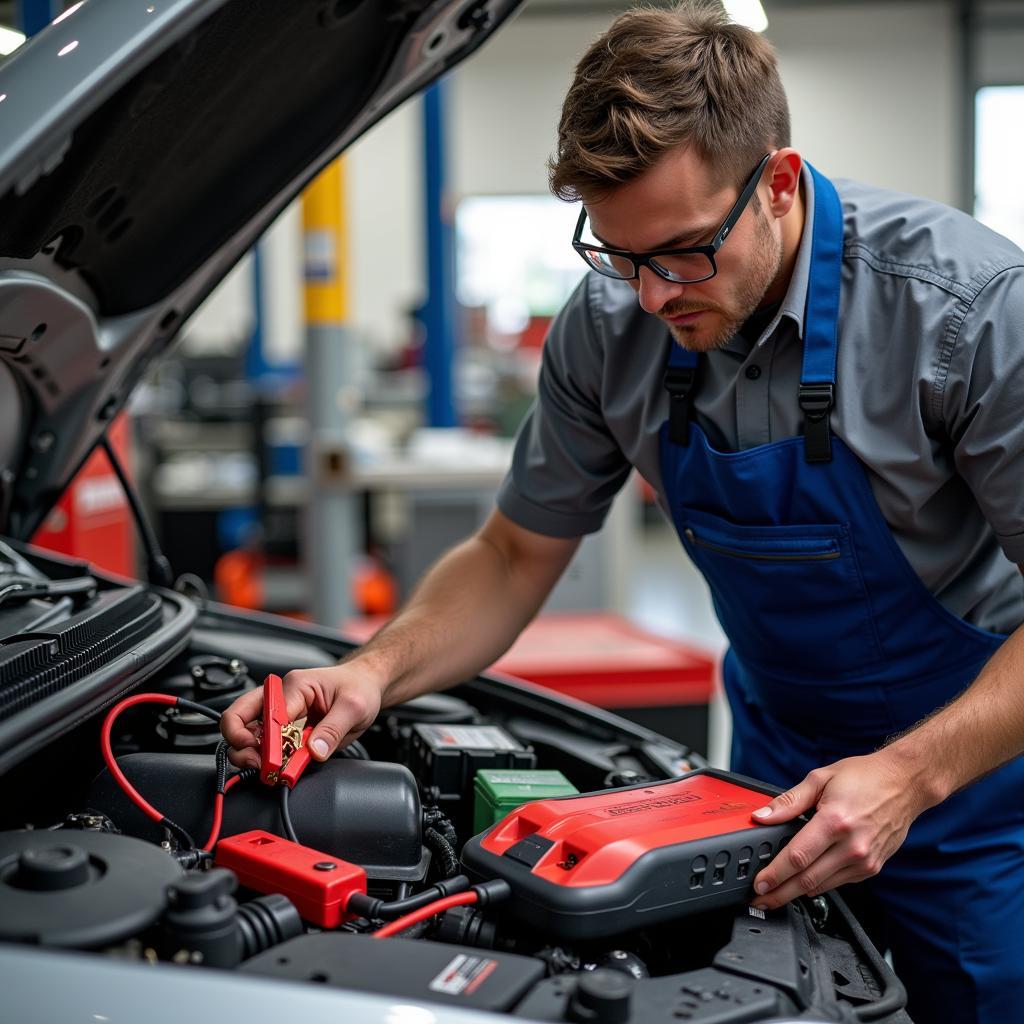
{"points": [[36, 665]]}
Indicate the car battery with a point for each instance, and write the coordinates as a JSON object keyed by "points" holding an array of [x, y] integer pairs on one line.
{"points": [[609, 862], [445, 758], [496, 792]]}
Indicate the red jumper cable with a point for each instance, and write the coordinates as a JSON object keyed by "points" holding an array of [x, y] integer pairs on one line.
{"points": [[122, 780], [493, 891]]}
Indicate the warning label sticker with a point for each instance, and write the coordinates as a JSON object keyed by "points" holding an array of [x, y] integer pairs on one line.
{"points": [[473, 737], [463, 975]]}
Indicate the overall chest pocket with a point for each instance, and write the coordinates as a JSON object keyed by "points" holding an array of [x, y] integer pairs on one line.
{"points": [[790, 598]]}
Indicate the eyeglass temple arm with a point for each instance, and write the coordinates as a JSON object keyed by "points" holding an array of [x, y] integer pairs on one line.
{"points": [[741, 203]]}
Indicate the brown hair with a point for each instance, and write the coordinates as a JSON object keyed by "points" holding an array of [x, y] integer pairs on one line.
{"points": [[658, 79]]}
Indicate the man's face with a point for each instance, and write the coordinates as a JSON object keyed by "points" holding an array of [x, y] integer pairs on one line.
{"points": [[680, 202]]}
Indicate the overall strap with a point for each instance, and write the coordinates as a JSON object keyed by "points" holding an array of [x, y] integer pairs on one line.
{"points": [[821, 320], [680, 380]]}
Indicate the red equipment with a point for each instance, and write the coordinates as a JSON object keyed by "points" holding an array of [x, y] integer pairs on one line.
{"points": [[611, 861], [318, 884], [284, 754], [92, 519]]}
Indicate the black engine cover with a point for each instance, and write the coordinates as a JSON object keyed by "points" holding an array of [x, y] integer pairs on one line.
{"points": [[366, 812], [80, 890], [403, 969]]}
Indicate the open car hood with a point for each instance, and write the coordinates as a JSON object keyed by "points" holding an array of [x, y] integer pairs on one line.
{"points": [[144, 147]]}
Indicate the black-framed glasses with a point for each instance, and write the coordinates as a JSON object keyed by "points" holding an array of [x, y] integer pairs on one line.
{"points": [[683, 266]]}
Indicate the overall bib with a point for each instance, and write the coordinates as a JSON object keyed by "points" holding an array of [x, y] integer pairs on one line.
{"points": [[835, 645]]}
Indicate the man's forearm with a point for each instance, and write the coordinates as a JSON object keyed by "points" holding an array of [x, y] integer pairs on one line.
{"points": [[972, 736], [463, 615]]}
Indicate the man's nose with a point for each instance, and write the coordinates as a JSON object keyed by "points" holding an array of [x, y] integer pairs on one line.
{"points": [[654, 291]]}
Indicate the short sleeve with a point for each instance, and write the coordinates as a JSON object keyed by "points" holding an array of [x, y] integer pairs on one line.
{"points": [[983, 406], [566, 467]]}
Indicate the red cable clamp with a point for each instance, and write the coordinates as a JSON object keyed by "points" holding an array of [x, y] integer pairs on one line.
{"points": [[284, 751]]}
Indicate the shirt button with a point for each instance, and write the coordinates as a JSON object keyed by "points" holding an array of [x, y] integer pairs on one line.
{"points": [[753, 372]]}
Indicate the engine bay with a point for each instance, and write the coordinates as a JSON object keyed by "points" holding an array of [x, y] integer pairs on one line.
{"points": [[474, 828]]}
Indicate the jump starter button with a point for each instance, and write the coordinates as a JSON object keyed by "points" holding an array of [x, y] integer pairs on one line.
{"points": [[529, 851]]}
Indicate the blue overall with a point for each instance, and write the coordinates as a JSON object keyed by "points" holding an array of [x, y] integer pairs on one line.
{"points": [[835, 645]]}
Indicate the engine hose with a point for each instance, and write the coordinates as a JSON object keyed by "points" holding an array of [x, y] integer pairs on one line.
{"points": [[266, 921]]}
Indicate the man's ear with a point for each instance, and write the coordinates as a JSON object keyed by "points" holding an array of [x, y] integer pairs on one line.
{"points": [[783, 180]]}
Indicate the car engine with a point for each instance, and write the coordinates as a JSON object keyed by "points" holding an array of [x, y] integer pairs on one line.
{"points": [[126, 834]]}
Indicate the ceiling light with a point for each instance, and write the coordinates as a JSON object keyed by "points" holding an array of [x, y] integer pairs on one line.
{"points": [[9, 40], [747, 12]]}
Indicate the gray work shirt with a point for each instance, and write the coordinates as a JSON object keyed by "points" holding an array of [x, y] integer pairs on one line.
{"points": [[929, 395]]}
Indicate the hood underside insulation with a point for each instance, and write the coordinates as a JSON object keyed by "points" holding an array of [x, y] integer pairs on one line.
{"points": [[178, 160]]}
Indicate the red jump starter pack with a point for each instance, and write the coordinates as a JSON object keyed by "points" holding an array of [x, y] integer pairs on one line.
{"points": [[608, 862]]}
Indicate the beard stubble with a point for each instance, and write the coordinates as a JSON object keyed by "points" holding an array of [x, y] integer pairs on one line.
{"points": [[747, 295]]}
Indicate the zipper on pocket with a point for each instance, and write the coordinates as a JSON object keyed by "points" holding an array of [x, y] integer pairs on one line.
{"points": [[817, 556]]}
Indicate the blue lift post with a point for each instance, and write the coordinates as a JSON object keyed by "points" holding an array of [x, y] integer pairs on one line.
{"points": [[439, 311], [35, 15]]}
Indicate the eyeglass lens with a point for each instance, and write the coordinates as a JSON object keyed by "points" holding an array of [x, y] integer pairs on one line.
{"points": [[685, 267]]}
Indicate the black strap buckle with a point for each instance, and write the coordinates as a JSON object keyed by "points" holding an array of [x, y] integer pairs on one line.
{"points": [[817, 401], [679, 381]]}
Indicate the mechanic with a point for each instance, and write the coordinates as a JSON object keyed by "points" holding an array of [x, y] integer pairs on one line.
{"points": [[824, 382]]}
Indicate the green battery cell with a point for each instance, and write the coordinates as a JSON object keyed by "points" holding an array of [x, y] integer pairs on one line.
{"points": [[498, 791]]}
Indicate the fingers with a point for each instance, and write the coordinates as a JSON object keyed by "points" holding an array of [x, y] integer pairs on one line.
{"points": [[846, 876], [240, 722], [839, 844], [821, 878], [236, 724], [791, 882], [298, 694], [246, 758], [350, 711], [802, 797], [799, 859], [340, 701]]}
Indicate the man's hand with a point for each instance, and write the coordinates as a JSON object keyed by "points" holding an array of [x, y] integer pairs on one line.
{"points": [[341, 702], [864, 810]]}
